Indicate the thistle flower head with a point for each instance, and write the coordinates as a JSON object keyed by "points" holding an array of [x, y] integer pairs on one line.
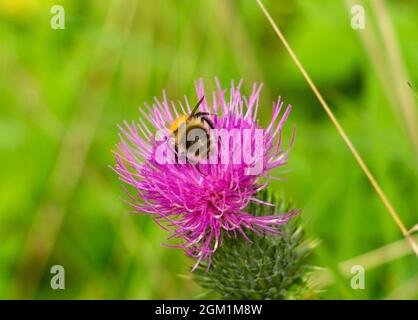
{"points": [[201, 202]]}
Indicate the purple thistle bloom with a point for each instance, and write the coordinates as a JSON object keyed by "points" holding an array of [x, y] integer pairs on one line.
{"points": [[195, 202]]}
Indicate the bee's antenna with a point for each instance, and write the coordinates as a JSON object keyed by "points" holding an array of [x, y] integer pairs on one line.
{"points": [[197, 106]]}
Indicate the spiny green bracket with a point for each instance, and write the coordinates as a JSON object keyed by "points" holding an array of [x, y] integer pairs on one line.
{"points": [[271, 267]]}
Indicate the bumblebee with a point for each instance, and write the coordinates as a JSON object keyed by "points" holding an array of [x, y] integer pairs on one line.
{"points": [[182, 128]]}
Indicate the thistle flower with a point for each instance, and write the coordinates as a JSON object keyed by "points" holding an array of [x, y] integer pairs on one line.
{"points": [[201, 203]]}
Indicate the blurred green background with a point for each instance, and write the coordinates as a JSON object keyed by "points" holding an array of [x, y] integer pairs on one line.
{"points": [[62, 93]]}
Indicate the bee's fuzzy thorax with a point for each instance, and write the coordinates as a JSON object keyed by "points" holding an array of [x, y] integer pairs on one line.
{"points": [[176, 123]]}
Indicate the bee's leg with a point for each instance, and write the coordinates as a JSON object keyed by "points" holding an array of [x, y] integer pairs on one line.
{"points": [[211, 125], [199, 114], [176, 157], [208, 121], [200, 171]]}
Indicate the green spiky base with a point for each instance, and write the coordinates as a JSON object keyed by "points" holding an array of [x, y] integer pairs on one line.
{"points": [[271, 267]]}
